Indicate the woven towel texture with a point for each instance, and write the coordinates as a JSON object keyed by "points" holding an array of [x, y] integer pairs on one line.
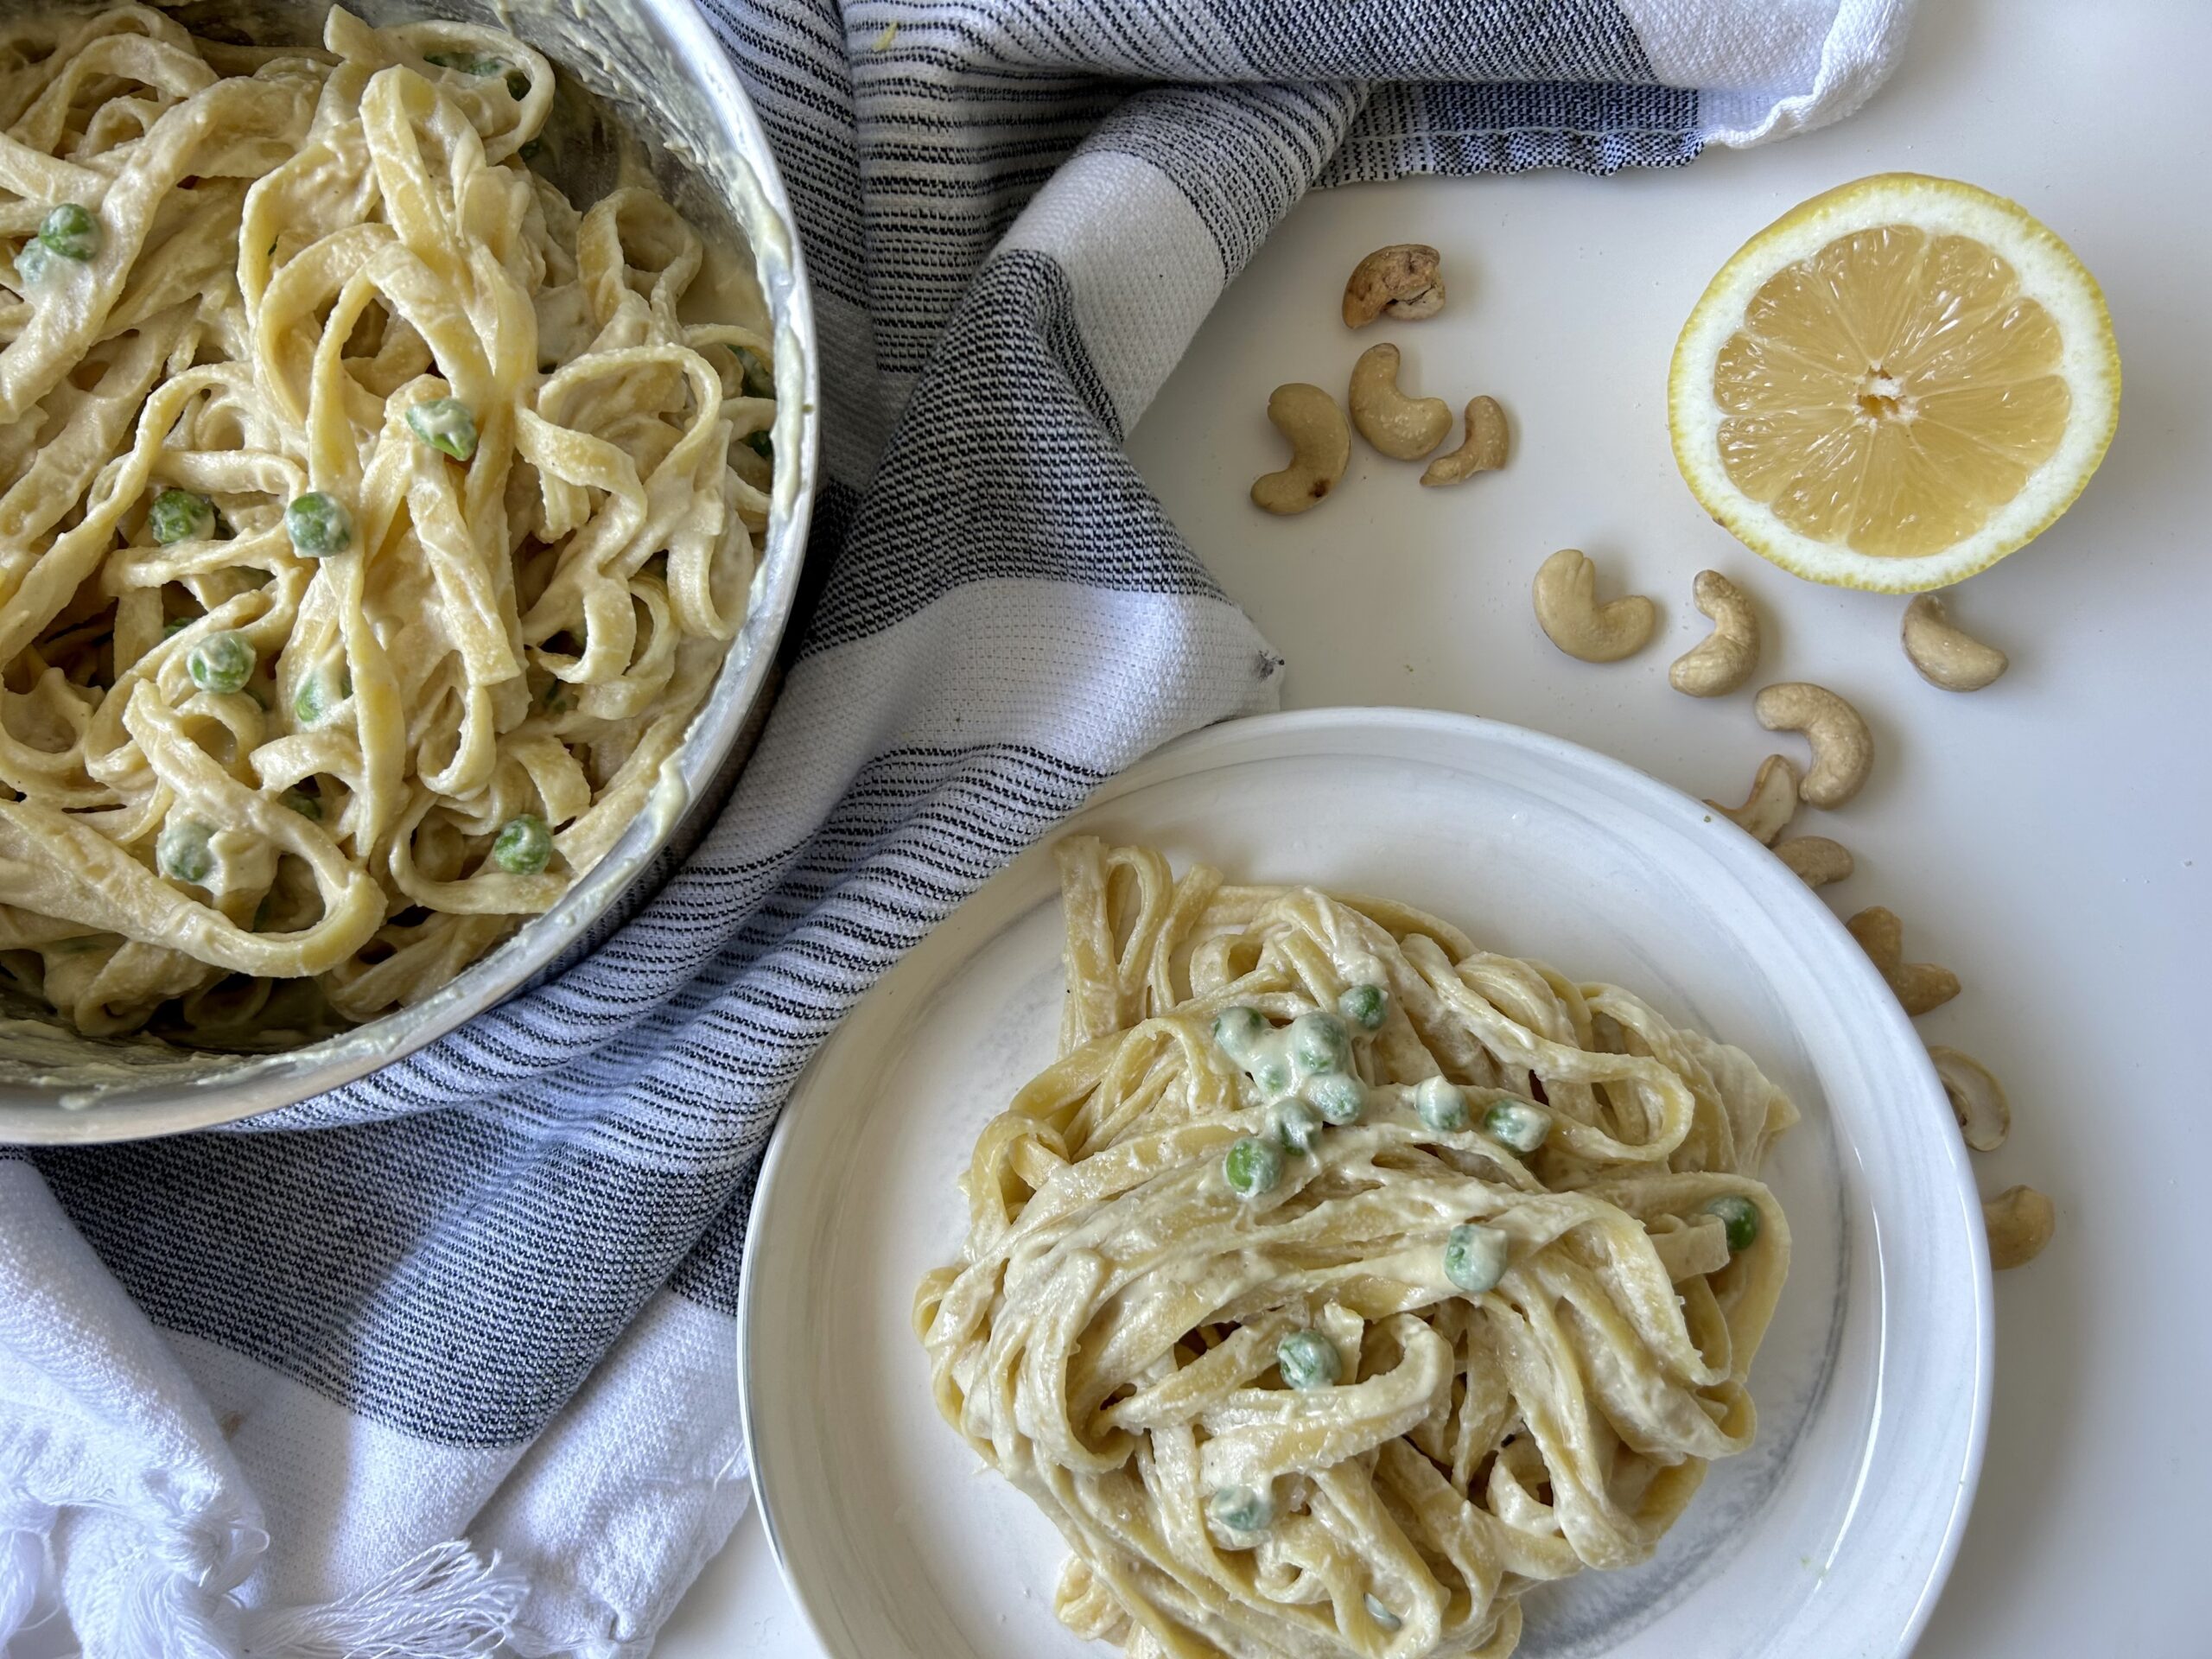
{"points": [[487, 1292]]}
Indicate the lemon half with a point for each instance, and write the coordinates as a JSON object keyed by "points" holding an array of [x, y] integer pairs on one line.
{"points": [[1894, 385]]}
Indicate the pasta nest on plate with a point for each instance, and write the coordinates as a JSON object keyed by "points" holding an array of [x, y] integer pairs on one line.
{"points": [[1341, 1280]]}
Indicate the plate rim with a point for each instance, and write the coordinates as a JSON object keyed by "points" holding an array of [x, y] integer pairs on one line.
{"points": [[1308, 731]]}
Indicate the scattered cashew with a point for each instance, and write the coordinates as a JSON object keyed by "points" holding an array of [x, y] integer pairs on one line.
{"points": [[1814, 860], [1320, 446], [1944, 654], [2020, 1221], [1403, 427], [1977, 1099], [1727, 655], [1919, 985], [1567, 609], [1843, 749], [1406, 279], [1766, 811], [1482, 450]]}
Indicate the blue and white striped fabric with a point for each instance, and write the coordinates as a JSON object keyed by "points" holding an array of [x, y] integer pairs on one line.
{"points": [[289, 1391]]}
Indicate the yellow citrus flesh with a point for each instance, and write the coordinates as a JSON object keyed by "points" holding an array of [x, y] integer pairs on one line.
{"points": [[1890, 391], [1875, 397]]}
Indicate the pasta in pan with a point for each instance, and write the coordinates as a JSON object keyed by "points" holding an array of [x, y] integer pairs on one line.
{"points": [[1341, 1280], [372, 523]]}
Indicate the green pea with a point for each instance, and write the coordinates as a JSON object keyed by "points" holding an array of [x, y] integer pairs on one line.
{"points": [[1517, 1124], [176, 624], [1474, 1257], [1272, 1075], [180, 515], [1339, 1097], [447, 424], [467, 62], [1252, 1166], [1441, 1105], [34, 264], [1236, 1029], [182, 851], [761, 444], [523, 845], [1365, 1006], [221, 663], [1741, 1216], [319, 524], [1298, 1125], [759, 380], [1318, 1042], [303, 804], [531, 149], [319, 693], [70, 231], [1382, 1616], [1308, 1360], [1240, 1509]]}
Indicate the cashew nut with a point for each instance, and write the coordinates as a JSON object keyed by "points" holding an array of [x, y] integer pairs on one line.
{"points": [[1482, 450], [1945, 655], [1977, 1099], [1815, 859], [1729, 653], [1766, 811], [1843, 749], [1403, 427], [1919, 985], [2020, 1221], [1568, 610], [1406, 279], [1320, 446]]}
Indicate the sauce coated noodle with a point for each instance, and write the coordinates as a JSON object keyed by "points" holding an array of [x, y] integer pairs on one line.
{"points": [[1341, 1280], [371, 525]]}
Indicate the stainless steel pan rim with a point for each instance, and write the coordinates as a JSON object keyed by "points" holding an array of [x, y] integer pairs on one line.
{"points": [[657, 61]]}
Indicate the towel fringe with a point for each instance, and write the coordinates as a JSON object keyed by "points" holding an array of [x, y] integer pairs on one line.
{"points": [[22, 1568], [445, 1603], [161, 1613]]}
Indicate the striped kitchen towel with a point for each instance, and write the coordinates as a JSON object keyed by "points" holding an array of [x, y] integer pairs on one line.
{"points": [[446, 1356]]}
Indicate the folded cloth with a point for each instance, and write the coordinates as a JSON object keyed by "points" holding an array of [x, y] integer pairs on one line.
{"points": [[446, 1357]]}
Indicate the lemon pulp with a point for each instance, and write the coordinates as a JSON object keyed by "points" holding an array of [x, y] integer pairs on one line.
{"points": [[1892, 391], [1894, 385]]}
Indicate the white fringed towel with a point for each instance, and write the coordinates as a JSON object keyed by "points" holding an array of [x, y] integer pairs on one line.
{"points": [[447, 1353]]}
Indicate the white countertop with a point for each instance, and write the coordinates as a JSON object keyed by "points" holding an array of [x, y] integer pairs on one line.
{"points": [[2047, 838]]}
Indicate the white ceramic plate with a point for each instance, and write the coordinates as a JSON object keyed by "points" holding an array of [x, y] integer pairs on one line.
{"points": [[1830, 1538]]}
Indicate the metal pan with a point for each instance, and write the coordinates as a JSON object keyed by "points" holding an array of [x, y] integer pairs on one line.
{"points": [[656, 70]]}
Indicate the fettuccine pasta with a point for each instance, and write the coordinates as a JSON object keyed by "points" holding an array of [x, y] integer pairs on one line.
{"points": [[1342, 1280], [372, 523]]}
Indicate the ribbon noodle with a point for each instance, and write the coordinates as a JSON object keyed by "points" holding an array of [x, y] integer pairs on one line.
{"points": [[373, 521], [1341, 1280]]}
